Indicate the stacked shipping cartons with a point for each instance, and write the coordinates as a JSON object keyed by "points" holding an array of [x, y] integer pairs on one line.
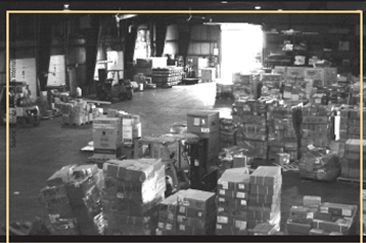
{"points": [[165, 77], [264, 203], [315, 124], [75, 112], [243, 85], [250, 117], [73, 201], [196, 213], [353, 127], [350, 163], [319, 165], [227, 133], [224, 90], [232, 202], [187, 212], [133, 188], [316, 218], [281, 133], [233, 157]]}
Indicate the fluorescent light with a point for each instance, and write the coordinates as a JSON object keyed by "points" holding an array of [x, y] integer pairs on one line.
{"points": [[279, 9], [66, 6], [257, 7], [223, 2]]}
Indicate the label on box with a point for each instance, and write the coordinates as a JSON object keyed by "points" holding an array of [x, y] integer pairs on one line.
{"points": [[324, 209], [240, 194], [120, 195], [205, 130], [218, 226], [180, 218], [346, 212], [196, 162], [225, 185], [221, 192], [310, 215], [221, 199], [222, 219], [182, 209], [243, 202], [200, 214], [182, 227], [241, 186], [240, 224], [220, 209], [169, 226], [196, 121]]}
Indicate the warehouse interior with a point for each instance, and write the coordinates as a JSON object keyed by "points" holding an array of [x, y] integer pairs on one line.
{"points": [[184, 123]]}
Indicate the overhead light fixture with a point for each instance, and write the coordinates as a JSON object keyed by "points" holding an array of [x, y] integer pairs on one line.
{"points": [[279, 9], [224, 2], [257, 7], [66, 6]]}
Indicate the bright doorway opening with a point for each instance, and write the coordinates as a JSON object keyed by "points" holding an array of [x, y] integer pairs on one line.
{"points": [[241, 49]]}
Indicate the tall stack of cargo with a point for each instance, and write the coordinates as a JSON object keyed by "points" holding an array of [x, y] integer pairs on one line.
{"points": [[227, 133], [167, 215], [264, 202], [75, 112], [315, 125], [72, 201], [133, 189], [250, 117], [281, 133], [232, 202], [353, 127], [243, 85], [167, 77], [317, 218], [206, 125], [350, 163], [196, 213]]}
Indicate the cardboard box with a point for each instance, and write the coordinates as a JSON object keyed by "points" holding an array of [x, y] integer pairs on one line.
{"points": [[203, 123], [107, 135]]}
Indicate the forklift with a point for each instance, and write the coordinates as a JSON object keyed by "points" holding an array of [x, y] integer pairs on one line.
{"points": [[22, 111], [107, 89]]}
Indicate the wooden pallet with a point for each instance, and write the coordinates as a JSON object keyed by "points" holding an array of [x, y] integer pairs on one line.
{"points": [[294, 166], [348, 180]]}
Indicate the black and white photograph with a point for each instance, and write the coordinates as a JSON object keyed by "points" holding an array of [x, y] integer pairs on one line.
{"points": [[192, 120]]}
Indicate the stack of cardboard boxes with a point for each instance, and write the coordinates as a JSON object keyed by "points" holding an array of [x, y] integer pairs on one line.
{"points": [[265, 197], [133, 189], [250, 117], [243, 85], [75, 112], [281, 133], [317, 218], [166, 77], [224, 90], [196, 213], [227, 133], [315, 124], [187, 212], [350, 163], [353, 127], [232, 202], [318, 165], [72, 200]]}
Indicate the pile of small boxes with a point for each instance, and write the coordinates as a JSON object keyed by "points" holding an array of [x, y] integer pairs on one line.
{"points": [[227, 133], [250, 117], [72, 201], [317, 218], [232, 202], [265, 197], [243, 85], [75, 112], [188, 212], [316, 123], [133, 189], [350, 163]]}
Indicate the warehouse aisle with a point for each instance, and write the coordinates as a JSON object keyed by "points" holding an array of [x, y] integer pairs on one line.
{"points": [[42, 150]]}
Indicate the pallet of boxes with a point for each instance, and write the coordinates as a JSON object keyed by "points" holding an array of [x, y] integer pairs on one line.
{"points": [[133, 190], [167, 77], [243, 85], [249, 204], [187, 212], [249, 116], [350, 163], [72, 201], [316, 218], [75, 112]]}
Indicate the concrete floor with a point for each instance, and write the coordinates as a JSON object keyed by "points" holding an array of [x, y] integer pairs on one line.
{"points": [[42, 150]]}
